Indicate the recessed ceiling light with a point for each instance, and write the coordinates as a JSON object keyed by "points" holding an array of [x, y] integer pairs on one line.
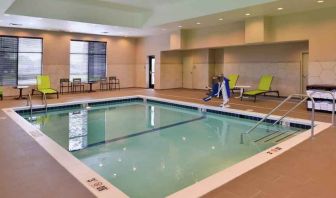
{"points": [[198, 23], [320, 1], [221, 19], [280, 8], [247, 14], [180, 26]]}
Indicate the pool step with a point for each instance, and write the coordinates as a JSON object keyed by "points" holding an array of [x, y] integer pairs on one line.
{"points": [[276, 136]]}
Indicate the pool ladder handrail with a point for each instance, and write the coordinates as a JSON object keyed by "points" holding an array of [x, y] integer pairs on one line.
{"points": [[289, 111], [30, 104], [45, 102], [333, 121]]}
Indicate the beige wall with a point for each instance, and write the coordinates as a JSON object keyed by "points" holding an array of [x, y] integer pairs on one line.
{"points": [[150, 46], [127, 57], [223, 35], [121, 55], [171, 70], [318, 27]]}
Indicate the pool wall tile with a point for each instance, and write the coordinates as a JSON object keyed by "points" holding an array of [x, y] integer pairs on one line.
{"points": [[140, 99]]}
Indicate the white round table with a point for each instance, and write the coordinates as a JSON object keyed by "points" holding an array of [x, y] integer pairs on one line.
{"points": [[242, 87]]}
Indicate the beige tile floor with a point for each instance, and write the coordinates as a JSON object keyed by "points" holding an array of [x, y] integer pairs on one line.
{"points": [[308, 170]]}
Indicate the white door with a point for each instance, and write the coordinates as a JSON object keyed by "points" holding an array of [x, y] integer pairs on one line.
{"points": [[187, 71], [200, 76]]}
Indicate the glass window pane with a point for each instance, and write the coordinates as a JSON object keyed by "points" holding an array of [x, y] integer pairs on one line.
{"points": [[79, 66], [79, 47], [29, 67], [30, 45]]}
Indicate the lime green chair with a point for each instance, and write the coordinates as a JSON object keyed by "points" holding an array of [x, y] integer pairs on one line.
{"points": [[263, 88], [43, 86], [233, 78], [1, 93]]}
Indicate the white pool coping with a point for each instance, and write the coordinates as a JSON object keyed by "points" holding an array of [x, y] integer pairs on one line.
{"points": [[84, 174]]}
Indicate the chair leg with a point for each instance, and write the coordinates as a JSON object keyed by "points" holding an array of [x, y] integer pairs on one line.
{"points": [[57, 96], [1, 96], [255, 98]]}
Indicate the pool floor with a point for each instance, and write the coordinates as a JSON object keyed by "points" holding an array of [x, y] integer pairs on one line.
{"points": [[153, 150]]}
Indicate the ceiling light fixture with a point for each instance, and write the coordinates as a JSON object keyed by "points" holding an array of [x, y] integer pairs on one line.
{"points": [[247, 14], [198, 23], [180, 26], [221, 19], [105, 32], [280, 8], [320, 1]]}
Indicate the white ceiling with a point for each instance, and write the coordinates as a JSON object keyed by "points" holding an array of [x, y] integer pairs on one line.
{"points": [[148, 4], [140, 17]]}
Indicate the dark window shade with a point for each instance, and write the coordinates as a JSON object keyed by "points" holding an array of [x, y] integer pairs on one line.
{"points": [[87, 60], [8, 60], [97, 60], [20, 60]]}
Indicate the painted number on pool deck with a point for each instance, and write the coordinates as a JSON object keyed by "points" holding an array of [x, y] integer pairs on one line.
{"points": [[96, 184]]}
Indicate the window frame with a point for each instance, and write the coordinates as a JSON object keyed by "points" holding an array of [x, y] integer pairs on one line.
{"points": [[88, 41], [17, 53]]}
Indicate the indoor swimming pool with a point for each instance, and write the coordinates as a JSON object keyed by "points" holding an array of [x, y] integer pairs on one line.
{"points": [[150, 148]]}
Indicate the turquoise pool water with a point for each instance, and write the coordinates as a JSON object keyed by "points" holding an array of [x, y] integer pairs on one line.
{"points": [[153, 150]]}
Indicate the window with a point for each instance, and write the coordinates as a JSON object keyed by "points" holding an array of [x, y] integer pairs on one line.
{"points": [[20, 60], [87, 60]]}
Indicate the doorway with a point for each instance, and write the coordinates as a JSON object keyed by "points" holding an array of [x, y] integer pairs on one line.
{"points": [[304, 71], [151, 72]]}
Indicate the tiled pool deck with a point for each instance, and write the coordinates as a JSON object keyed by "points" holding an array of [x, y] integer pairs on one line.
{"points": [[305, 171]]}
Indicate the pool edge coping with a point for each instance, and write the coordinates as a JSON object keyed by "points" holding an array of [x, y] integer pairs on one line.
{"points": [[83, 173]]}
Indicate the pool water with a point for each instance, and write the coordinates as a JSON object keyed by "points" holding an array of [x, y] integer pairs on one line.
{"points": [[153, 150]]}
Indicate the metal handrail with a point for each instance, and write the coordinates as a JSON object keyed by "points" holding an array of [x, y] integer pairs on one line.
{"points": [[277, 107], [45, 102], [333, 106], [30, 103]]}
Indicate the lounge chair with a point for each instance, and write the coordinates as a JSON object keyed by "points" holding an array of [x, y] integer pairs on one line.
{"points": [[1, 93], [43, 86], [233, 78], [263, 88]]}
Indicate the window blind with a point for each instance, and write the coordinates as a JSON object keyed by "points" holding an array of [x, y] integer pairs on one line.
{"points": [[8, 60], [20, 60], [87, 60]]}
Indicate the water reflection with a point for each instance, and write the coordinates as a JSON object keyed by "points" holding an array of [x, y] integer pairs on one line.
{"points": [[78, 130]]}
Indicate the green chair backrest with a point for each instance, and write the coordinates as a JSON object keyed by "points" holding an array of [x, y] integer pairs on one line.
{"points": [[43, 82], [233, 78], [0, 90], [265, 82]]}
